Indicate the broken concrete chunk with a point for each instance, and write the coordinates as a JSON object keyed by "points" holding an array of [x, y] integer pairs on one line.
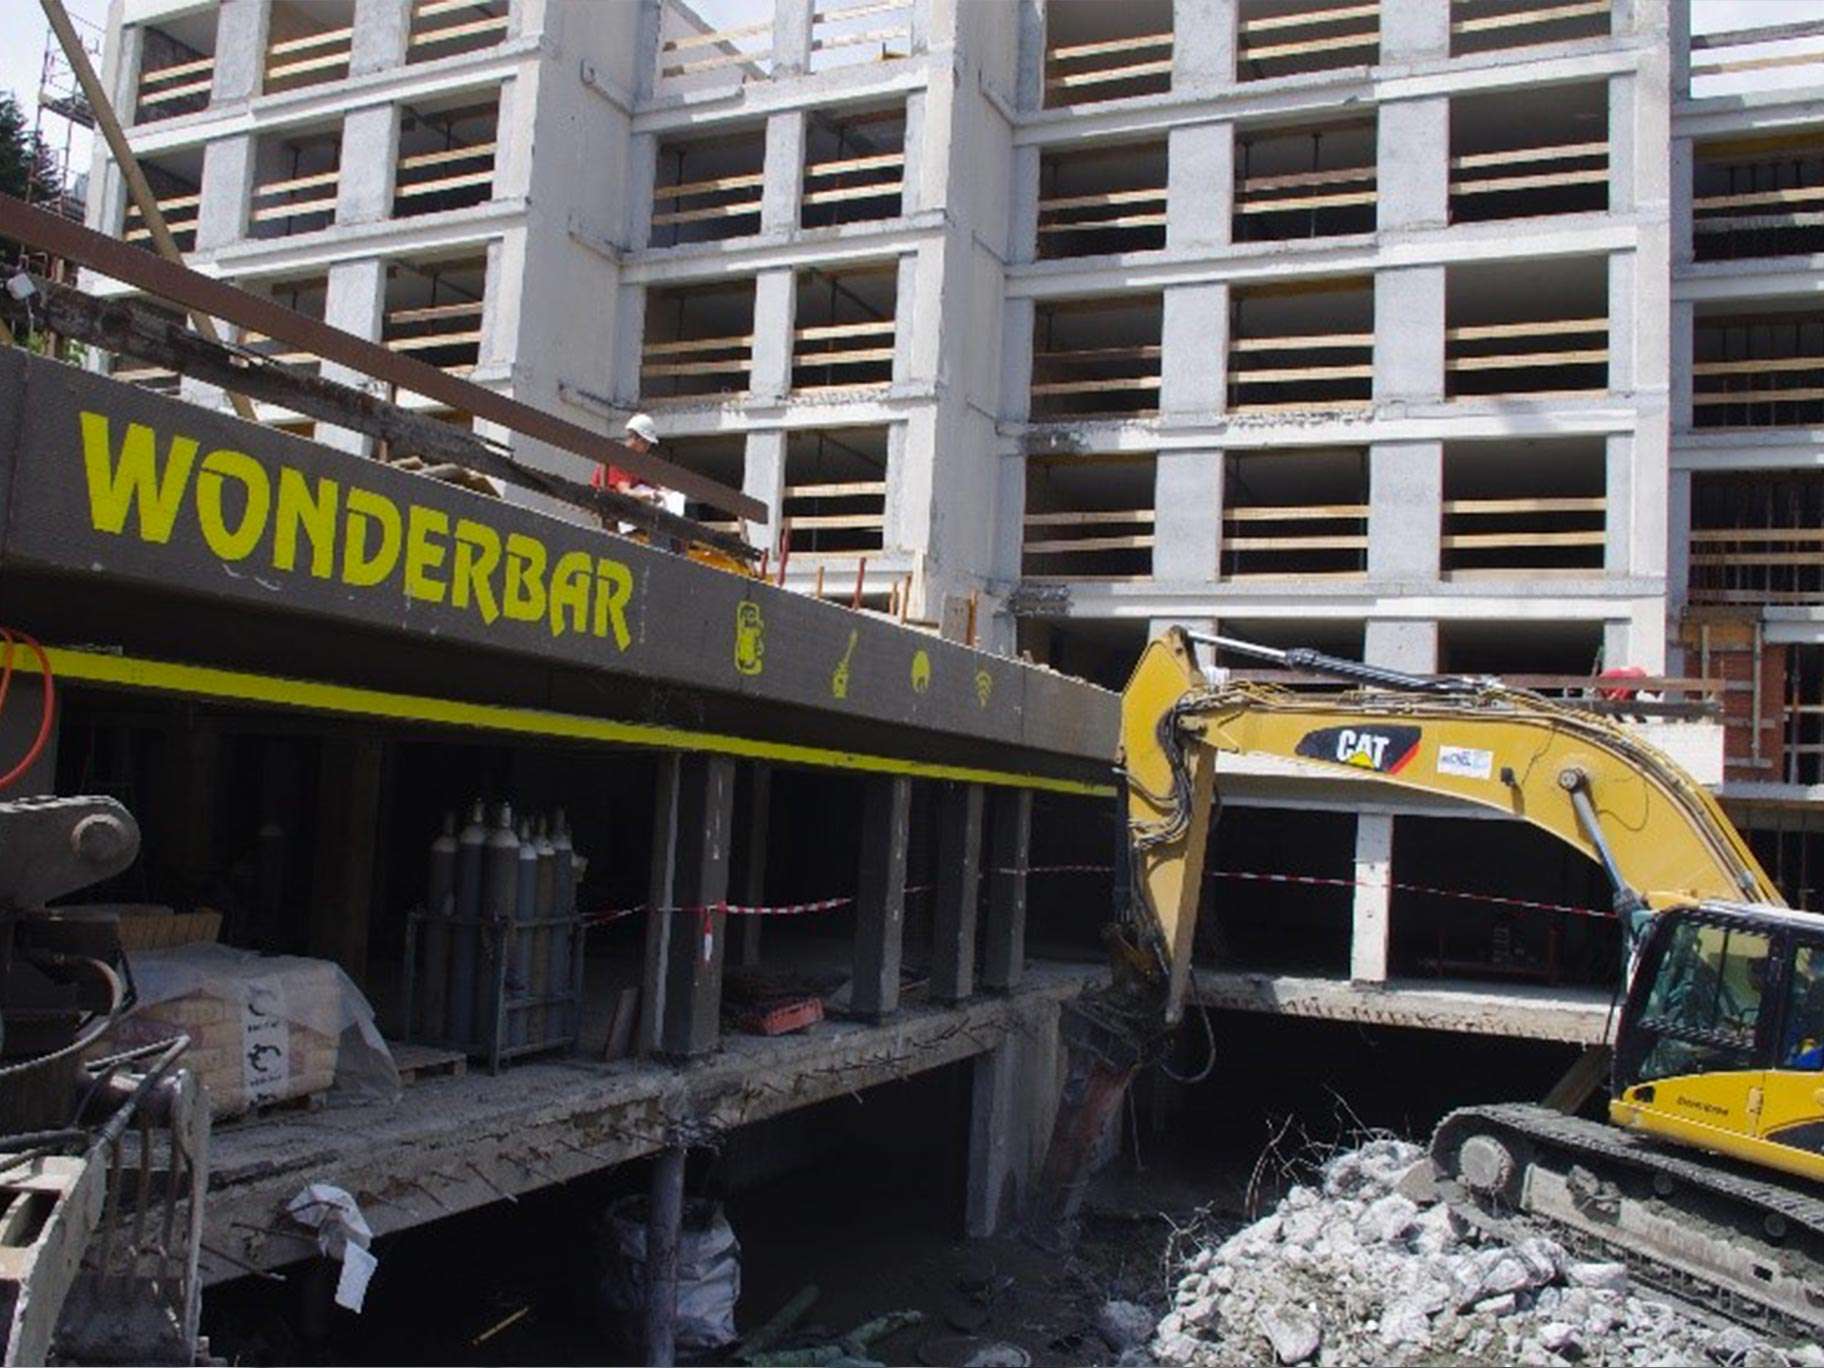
{"points": [[1730, 1345], [1606, 1277], [1294, 1334], [1419, 1183], [1558, 1335], [1497, 1306], [1387, 1220]]}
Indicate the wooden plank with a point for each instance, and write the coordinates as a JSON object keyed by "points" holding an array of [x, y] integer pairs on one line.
{"points": [[1762, 558], [878, 190], [1101, 354], [1058, 547], [171, 73], [339, 59], [1126, 73], [1509, 184], [833, 521], [1086, 225], [1294, 512], [1458, 541], [169, 206], [1784, 363], [1729, 535], [1307, 202], [1279, 376], [1309, 19], [1108, 197], [1140, 382], [838, 168], [703, 187], [823, 330], [1472, 507], [1342, 176], [1791, 396], [696, 40], [1522, 155], [1528, 360], [451, 154], [430, 9], [1090, 517], [1300, 342], [1349, 542], [842, 358], [310, 40], [1308, 406], [444, 35], [1772, 33], [881, 36], [1477, 332], [1758, 64], [1525, 18], [720, 211], [1801, 194], [177, 93], [853, 12], [1099, 49], [700, 368], [432, 187], [426, 343], [301, 210], [713, 63], [467, 309], [285, 187], [1347, 41], [856, 490], [1754, 221], [696, 345]]}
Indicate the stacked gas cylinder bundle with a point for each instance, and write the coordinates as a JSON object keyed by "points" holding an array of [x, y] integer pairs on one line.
{"points": [[495, 957]]}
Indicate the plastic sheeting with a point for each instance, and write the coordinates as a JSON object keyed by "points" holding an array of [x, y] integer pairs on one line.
{"points": [[709, 1271], [263, 1027]]}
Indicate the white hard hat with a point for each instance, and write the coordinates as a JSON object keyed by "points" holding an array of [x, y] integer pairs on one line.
{"points": [[641, 425]]}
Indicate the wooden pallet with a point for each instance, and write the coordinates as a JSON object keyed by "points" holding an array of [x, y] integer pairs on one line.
{"points": [[418, 1062], [48, 1209]]}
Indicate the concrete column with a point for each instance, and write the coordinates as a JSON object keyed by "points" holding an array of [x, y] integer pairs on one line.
{"points": [[775, 305], [751, 888], [1009, 530], [1029, 85], [1187, 515], [1016, 360], [356, 303], [1405, 509], [791, 37], [690, 1023], [1004, 958], [911, 198], [1623, 277], [227, 190], [880, 903], [1412, 33], [1203, 44], [1678, 540], [1682, 345], [1618, 520], [241, 28], [1678, 48], [1412, 163], [959, 886], [1683, 167], [642, 167], [993, 1182], [370, 160], [1624, 146], [784, 172], [1411, 646], [661, 894], [1200, 185], [1194, 332], [123, 51], [763, 478], [1373, 898], [1409, 334], [383, 31], [348, 816], [629, 334], [1023, 206], [908, 314]]}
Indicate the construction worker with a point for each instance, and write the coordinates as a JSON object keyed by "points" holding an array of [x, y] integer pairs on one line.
{"points": [[641, 435]]}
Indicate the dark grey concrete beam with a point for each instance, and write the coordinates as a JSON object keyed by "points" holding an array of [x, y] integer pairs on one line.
{"points": [[880, 904], [959, 890], [1004, 955]]}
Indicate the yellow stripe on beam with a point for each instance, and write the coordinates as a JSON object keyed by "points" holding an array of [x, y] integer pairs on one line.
{"points": [[306, 695]]}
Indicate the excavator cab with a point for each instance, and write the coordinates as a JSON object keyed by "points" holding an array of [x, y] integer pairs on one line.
{"points": [[1722, 1042]]}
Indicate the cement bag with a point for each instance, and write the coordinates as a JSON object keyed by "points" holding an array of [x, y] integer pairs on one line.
{"points": [[709, 1272], [262, 1028]]}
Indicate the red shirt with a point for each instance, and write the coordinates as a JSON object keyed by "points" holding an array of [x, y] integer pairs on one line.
{"points": [[611, 477]]}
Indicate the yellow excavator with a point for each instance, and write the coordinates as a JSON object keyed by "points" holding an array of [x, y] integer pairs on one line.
{"points": [[1706, 1173]]}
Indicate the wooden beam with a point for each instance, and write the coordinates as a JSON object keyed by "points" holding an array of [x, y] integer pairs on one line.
{"points": [[880, 903]]}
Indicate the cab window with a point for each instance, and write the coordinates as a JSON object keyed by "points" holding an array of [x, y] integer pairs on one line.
{"points": [[1802, 1042], [1705, 1004]]}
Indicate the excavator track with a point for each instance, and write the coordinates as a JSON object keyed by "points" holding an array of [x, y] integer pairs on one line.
{"points": [[1700, 1228]]}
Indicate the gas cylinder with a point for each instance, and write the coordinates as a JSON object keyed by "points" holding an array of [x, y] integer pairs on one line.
{"points": [[460, 1004], [525, 907], [539, 967], [563, 901], [499, 882]]}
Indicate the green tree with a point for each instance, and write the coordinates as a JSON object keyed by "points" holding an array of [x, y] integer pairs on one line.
{"points": [[27, 168]]}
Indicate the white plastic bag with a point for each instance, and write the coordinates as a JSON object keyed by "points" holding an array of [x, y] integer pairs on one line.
{"points": [[709, 1271]]}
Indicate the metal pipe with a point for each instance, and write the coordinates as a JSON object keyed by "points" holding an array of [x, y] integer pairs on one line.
{"points": [[1317, 662], [664, 1215]]}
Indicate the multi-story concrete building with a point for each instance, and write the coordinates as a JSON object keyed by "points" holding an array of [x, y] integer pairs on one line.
{"points": [[1366, 326]]}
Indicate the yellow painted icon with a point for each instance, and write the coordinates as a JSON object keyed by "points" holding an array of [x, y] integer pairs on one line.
{"points": [[921, 672], [839, 681], [984, 687], [750, 638]]}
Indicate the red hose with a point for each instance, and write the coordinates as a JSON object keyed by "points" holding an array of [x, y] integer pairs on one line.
{"points": [[13, 775]]}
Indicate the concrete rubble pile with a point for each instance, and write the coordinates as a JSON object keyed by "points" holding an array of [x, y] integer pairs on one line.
{"points": [[1371, 1267]]}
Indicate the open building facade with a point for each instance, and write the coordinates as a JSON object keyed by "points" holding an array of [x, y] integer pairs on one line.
{"points": [[1478, 337]]}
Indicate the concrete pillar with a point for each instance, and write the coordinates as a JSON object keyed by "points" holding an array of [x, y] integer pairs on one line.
{"points": [[763, 478], [664, 1221], [348, 819], [1618, 490], [383, 31], [661, 895], [1405, 509], [775, 305], [880, 903], [1413, 33], [907, 313], [1412, 164], [227, 191], [1678, 48], [1023, 206], [1004, 956], [791, 37], [356, 303], [642, 166], [1016, 360], [690, 1021], [241, 28], [1682, 169], [1409, 335], [1623, 282], [993, 1190], [370, 161], [751, 888], [1203, 44], [1682, 346], [1373, 898], [1193, 371], [1187, 516], [123, 51], [1678, 539], [629, 334], [1200, 185], [1399, 645], [784, 172], [959, 886], [1029, 86]]}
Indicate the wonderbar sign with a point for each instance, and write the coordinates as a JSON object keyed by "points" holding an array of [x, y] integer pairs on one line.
{"points": [[164, 488]]}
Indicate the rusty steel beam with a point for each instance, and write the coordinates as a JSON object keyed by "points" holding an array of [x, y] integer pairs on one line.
{"points": [[197, 292], [131, 328]]}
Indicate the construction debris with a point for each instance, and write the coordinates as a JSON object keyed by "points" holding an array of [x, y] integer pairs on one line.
{"points": [[1368, 1265]]}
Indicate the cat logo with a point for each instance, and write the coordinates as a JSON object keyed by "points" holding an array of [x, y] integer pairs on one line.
{"points": [[921, 672], [750, 638], [1385, 750]]}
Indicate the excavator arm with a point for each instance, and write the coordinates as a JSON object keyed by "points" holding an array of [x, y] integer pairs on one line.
{"points": [[1659, 835]]}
